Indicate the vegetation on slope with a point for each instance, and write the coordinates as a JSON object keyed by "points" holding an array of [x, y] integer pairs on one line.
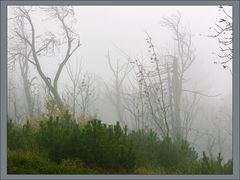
{"points": [[59, 145]]}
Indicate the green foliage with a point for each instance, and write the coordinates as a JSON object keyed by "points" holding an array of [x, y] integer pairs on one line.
{"points": [[146, 145], [107, 146], [20, 162], [165, 153], [174, 152], [228, 167], [205, 165], [215, 166], [20, 137], [96, 144], [54, 137], [12, 135], [61, 146]]}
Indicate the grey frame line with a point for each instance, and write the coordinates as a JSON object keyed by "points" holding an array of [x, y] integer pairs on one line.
{"points": [[235, 88]]}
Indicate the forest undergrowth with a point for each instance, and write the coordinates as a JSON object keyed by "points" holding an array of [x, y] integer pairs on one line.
{"points": [[61, 145]]}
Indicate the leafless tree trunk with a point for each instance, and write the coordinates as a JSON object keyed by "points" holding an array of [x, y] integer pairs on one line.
{"points": [[38, 107], [177, 91], [190, 107], [87, 94], [81, 92], [210, 145], [42, 45], [134, 104], [24, 70], [153, 80], [119, 73], [27, 84], [12, 96], [75, 83], [181, 61]]}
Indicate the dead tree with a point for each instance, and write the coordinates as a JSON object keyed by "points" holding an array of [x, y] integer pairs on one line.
{"points": [[12, 102], [80, 94], [211, 141], [163, 79], [182, 58], [119, 73], [27, 84], [152, 78], [221, 124], [190, 106], [45, 44], [87, 94], [24, 68], [150, 96], [73, 91], [134, 104], [38, 106], [223, 32]]}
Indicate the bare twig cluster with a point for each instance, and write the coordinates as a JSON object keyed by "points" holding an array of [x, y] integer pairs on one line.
{"points": [[223, 32]]}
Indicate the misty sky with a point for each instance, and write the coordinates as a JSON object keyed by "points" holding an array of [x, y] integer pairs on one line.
{"points": [[101, 28], [120, 29]]}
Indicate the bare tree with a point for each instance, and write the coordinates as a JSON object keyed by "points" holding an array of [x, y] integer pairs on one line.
{"points": [[12, 101], [80, 94], [182, 59], [87, 93], [45, 44], [189, 110], [24, 68], [134, 104], [73, 90], [223, 32], [211, 141], [163, 78], [28, 85], [38, 101], [152, 79], [119, 72], [221, 124]]}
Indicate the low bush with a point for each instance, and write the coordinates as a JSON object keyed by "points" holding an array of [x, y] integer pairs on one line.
{"points": [[215, 165], [21, 162], [107, 146], [96, 144], [20, 137], [61, 146], [146, 145], [176, 151], [28, 163], [55, 137]]}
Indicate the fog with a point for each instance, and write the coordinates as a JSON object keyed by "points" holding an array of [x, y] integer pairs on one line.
{"points": [[121, 32]]}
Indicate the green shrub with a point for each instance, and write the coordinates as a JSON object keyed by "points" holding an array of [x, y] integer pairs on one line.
{"points": [[21, 162], [228, 167], [107, 146], [20, 137], [96, 144], [146, 145], [214, 165], [60, 146], [54, 137], [28, 163], [174, 152], [13, 141]]}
